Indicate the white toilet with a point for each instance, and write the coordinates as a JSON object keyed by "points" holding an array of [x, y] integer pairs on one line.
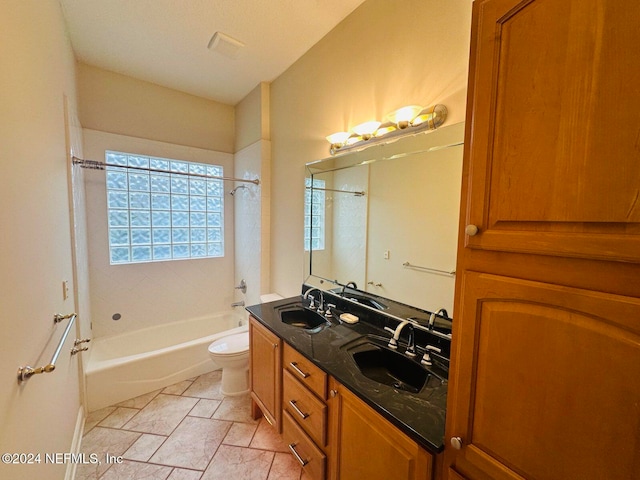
{"points": [[232, 354]]}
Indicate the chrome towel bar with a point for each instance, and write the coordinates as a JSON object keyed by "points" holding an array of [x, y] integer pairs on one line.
{"points": [[24, 373], [427, 269]]}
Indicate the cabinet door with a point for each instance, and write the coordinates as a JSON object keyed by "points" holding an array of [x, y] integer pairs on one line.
{"points": [[266, 371], [367, 446], [548, 385], [553, 131]]}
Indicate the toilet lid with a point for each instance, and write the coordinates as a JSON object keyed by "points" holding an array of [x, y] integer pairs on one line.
{"points": [[231, 344]]}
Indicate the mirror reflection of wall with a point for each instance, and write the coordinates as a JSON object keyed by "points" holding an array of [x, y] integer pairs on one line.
{"points": [[409, 213]]}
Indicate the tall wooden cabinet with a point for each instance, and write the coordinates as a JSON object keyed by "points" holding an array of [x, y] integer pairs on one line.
{"points": [[545, 378]]}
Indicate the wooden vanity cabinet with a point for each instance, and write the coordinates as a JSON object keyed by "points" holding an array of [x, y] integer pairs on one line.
{"points": [[305, 412], [265, 366], [366, 445], [545, 368]]}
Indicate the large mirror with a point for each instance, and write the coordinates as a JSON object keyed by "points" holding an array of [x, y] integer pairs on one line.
{"points": [[386, 219]]}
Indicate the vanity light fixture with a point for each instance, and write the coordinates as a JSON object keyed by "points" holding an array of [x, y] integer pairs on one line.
{"points": [[367, 130], [403, 121], [403, 116]]}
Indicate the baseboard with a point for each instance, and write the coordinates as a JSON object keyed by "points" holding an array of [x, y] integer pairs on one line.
{"points": [[75, 444]]}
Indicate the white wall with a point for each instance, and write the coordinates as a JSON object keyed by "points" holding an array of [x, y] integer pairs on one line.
{"points": [[147, 294], [251, 234], [383, 56], [36, 73]]}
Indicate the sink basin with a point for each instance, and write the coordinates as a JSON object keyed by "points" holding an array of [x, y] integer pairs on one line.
{"points": [[363, 300], [303, 318], [390, 367]]}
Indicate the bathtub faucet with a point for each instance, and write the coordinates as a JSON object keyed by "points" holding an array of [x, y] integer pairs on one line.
{"points": [[238, 304]]}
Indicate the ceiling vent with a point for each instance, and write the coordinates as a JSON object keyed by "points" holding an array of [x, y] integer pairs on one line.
{"points": [[225, 45]]}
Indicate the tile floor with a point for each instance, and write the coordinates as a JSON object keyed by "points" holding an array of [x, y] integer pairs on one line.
{"points": [[187, 431]]}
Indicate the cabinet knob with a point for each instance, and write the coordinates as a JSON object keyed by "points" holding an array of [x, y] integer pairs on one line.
{"points": [[471, 230], [275, 345], [333, 393], [456, 442]]}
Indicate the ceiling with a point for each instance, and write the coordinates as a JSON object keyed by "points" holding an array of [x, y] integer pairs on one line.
{"points": [[165, 41]]}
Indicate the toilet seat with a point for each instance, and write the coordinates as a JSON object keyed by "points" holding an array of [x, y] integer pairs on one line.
{"points": [[231, 345]]}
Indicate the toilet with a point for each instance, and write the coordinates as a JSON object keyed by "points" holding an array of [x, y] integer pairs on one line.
{"points": [[231, 352]]}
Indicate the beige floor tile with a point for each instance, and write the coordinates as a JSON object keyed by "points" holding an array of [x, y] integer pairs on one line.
{"points": [[236, 462], [139, 402], [240, 434], [119, 417], [162, 415], [128, 470], [183, 474], [100, 441], [205, 408], [192, 444], [285, 467], [235, 409], [144, 447], [178, 388], [94, 418], [206, 386], [267, 438]]}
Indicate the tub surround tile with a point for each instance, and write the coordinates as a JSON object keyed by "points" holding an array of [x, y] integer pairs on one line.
{"points": [[119, 417], [140, 471], [240, 434], [144, 447], [193, 443], [205, 408], [267, 438], [162, 415], [235, 409], [237, 462]]}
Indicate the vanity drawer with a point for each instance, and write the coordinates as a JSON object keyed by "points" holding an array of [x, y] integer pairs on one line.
{"points": [[305, 371], [311, 458], [309, 412]]}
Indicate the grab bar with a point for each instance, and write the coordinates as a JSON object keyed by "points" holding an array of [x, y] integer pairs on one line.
{"points": [[427, 269], [24, 373]]}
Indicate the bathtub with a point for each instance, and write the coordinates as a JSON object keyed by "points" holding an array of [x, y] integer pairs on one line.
{"points": [[127, 365]]}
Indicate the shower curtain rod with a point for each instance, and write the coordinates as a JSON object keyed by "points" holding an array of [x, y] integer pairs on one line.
{"points": [[95, 165]]}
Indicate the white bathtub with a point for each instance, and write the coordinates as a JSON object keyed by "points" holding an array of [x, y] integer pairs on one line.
{"points": [[131, 364]]}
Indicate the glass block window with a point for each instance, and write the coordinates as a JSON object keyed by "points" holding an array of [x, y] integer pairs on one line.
{"points": [[314, 218], [156, 216]]}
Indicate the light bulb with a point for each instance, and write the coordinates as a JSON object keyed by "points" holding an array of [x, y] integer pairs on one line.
{"points": [[366, 129], [403, 116]]}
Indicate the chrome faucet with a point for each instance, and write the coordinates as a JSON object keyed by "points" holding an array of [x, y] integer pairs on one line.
{"points": [[320, 306], [432, 317], [393, 342]]}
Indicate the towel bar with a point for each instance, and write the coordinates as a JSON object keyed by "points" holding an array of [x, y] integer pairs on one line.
{"points": [[24, 373]]}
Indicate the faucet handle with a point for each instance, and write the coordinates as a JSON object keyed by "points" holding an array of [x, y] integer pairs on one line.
{"points": [[327, 312], [426, 358], [312, 304]]}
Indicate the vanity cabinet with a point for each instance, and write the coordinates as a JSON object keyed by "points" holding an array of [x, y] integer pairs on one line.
{"points": [[265, 366], [305, 412], [545, 355], [366, 445]]}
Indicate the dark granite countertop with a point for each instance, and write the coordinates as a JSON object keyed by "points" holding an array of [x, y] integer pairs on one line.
{"points": [[419, 415]]}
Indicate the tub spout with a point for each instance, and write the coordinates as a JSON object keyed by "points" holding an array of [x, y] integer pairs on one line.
{"points": [[238, 304]]}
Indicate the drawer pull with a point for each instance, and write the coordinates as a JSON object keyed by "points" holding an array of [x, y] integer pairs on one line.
{"points": [[298, 411], [292, 447], [294, 365]]}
